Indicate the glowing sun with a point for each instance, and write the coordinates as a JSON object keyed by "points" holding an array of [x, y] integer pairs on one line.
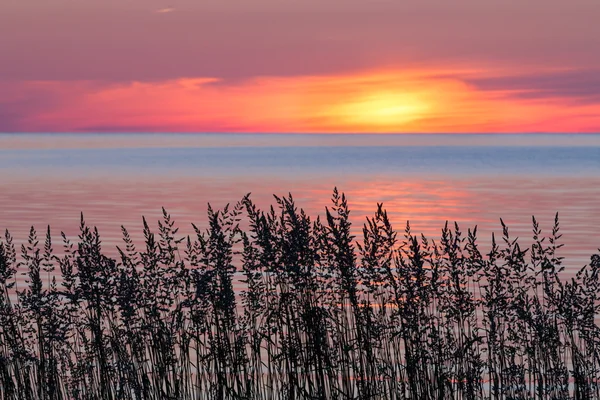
{"points": [[384, 109]]}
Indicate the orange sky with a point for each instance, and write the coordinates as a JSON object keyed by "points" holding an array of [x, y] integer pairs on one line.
{"points": [[300, 66], [384, 100]]}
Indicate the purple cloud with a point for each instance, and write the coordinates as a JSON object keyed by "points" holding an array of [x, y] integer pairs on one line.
{"points": [[582, 85]]}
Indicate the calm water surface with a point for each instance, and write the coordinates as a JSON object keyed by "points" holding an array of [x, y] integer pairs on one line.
{"points": [[427, 179]]}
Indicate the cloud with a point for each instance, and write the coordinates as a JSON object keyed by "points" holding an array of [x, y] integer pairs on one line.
{"points": [[408, 100], [581, 85], [164, 10]]}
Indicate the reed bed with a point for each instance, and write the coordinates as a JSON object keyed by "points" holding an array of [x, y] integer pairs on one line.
{"points": [[321, 314]]}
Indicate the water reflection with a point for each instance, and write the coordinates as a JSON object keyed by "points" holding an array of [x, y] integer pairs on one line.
{"points": [[427, 179], [111, 201]]}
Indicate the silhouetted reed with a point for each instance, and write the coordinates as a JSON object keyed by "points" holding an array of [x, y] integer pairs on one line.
{"points": [[276, 305]]}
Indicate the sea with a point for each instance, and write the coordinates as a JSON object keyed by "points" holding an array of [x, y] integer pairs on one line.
{"points": [[475, 180]]}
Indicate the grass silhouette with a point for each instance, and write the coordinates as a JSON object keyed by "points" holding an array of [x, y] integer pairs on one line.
{"points": [[276, 305]]}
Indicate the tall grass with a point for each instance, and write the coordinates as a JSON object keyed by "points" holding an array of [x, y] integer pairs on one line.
{"points": [[271, 304]]}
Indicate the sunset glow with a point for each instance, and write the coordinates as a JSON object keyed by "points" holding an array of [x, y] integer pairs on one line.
{"points": [[385, 109], [371, 101], [270, 66]]}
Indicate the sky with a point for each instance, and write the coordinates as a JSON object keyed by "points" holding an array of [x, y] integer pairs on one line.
{"points": [[299, 66]]}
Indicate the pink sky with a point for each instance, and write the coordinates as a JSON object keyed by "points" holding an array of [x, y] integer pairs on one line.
{"points": [[291, 66]]}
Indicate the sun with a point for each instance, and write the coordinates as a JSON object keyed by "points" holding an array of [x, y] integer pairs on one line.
{"points": [[384, 109]]}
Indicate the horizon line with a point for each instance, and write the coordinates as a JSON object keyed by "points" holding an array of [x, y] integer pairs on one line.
{"points": [[289, 133]]}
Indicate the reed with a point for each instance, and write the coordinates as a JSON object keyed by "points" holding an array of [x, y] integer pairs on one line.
{"points": [[273, 304]]}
